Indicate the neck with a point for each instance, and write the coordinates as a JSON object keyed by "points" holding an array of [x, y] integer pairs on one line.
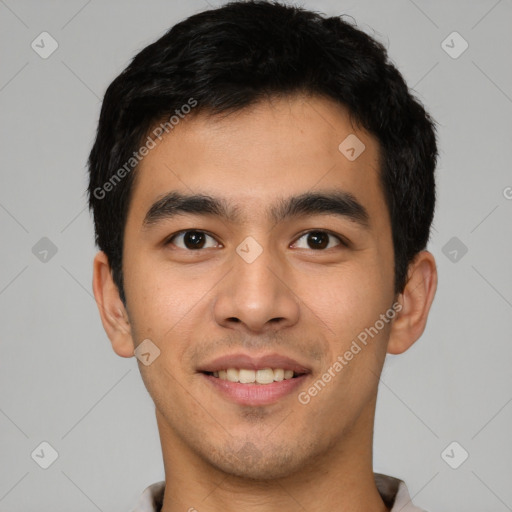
{"points": [[340, 480]]}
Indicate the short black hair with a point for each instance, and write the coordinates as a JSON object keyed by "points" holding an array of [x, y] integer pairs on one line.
{"points": [[225, 59]]}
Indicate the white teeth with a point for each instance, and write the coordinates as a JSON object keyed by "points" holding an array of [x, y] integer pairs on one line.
{"points": [[232, 375], [247, 376], [265, 376], [279, 374]]}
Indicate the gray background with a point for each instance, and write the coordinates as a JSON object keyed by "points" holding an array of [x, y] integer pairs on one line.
{"points": [[61, 382]]}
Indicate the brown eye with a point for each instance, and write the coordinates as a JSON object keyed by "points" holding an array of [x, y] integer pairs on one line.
{"points": [[318, 240], [191, 240]]}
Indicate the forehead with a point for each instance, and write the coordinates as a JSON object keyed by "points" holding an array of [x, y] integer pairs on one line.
{"points": [[257, 156]]}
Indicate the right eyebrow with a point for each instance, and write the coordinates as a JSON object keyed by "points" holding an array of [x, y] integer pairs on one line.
{"points": [[176, 203]]}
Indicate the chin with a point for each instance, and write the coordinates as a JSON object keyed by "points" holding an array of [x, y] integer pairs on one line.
{"points": [[257, 463]]}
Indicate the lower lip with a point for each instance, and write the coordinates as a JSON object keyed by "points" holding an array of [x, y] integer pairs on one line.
{"points": [[255, 394]]}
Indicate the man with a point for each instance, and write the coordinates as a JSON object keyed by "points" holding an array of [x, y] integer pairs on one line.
{"points": [[262, 184]]}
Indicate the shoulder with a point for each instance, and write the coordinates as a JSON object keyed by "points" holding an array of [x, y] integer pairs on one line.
{"points": [[395, 494], [151, 498]]}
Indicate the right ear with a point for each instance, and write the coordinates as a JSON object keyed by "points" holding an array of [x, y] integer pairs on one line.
{"points": [[112, 311]]}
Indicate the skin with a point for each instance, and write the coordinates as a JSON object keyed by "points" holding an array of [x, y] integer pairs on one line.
{"points": [[296, 300]]}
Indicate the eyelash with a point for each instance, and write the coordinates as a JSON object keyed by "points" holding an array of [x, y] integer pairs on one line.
{"points": [[341, 241]]}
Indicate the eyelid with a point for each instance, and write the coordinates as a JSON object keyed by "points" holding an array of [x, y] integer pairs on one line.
{"points": [[343, 241], [169, 239]]}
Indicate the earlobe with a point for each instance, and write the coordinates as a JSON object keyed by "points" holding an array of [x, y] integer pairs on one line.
{"points": [[111, 308], [415, 301]]}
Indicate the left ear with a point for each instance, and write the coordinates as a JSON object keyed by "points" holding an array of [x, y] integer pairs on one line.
{"points": [[415, 300]]}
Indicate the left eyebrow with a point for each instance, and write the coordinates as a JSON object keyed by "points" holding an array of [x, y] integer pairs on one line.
{"points": [[338, 202]]}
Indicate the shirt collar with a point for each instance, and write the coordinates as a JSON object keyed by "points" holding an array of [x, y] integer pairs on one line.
{"points": [[393, 491]]}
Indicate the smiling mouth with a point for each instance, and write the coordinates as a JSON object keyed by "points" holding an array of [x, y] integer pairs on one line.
{"points": [[250, 376]]}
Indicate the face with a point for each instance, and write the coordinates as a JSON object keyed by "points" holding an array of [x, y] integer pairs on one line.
{"points": [[279, 266]]}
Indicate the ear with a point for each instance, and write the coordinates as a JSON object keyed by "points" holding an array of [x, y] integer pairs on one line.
{"points": [[415, 302], [112, 311]]}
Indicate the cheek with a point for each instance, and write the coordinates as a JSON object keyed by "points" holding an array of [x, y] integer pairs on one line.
{"points": [[164, 302], [347, 299], [351, 305]]}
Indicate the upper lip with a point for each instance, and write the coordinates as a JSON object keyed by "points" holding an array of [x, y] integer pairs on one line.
{"points": [[247, 361]]}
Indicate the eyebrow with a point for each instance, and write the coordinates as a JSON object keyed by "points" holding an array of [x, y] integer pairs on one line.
{"points": [[338, 202]]}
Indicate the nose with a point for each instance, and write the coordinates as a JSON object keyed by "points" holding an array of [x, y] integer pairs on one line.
{"points": [[256, 296]]}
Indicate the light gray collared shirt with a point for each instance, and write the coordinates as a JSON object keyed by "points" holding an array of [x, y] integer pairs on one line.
{"points": [[393, 491]]}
